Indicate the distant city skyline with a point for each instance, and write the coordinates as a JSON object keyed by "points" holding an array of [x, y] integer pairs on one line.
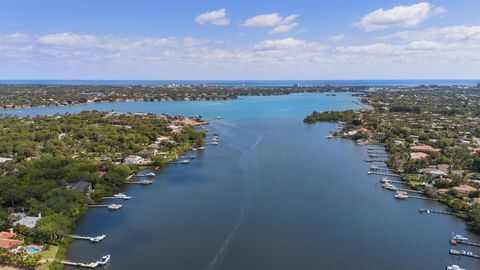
{"points": [[227, 40]]}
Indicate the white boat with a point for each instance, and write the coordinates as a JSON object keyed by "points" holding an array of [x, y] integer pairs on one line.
{"points": [[97, 239], [400, 196], [201, 148], [145, 182], [459, 237], [150, 174], [122, 196], [104, 260], [454, 267], [215, 143], [184, 161], [219, 117], [114, 207]]}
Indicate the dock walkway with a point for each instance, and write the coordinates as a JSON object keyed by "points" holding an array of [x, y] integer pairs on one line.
{"points": [[464, 242], [432, 211], [383, 174], [464, 253]]}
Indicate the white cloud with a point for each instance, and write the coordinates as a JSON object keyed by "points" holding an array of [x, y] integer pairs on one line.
{"points": [[278, 44], [376, 48], [429, 53], [217, 17], [280, 24], [337, 38], [399, 16], [283, 28], [457, 32]]}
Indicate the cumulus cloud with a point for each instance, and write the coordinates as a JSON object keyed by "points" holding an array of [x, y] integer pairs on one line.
{"points": [[217, 17], [452, 33], [337, 38], [399, 16], [280, 24], [278, 44]]}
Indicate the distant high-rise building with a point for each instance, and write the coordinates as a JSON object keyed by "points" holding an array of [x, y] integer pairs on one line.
{"points": [[478, 85]]}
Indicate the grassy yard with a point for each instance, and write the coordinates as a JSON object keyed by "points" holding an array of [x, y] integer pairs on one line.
{"points": [[48, 254]]}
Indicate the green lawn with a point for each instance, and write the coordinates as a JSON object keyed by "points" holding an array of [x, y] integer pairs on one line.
{"points": [[48, 254]]}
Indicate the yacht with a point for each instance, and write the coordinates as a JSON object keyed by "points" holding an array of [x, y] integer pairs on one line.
{"points": [[459, 237], [104, 260], [145, 182], [122, 196], [454, 267], [329, 137], [114, 207], [184, 161], [97, 239], [150, 174], [400, 196]]}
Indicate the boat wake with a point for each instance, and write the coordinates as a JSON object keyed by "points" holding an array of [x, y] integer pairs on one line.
{"points": [[248, 156]]}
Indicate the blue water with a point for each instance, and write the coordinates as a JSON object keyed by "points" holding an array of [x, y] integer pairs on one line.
{"points": [[32, 250], [251, 82], [275, 194]]}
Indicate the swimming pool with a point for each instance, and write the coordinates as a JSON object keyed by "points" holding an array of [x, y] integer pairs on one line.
{"points": [[32, 249]]}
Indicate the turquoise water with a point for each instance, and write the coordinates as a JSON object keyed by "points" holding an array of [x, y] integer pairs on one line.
{"points": [[32, 249], [274, 194]]}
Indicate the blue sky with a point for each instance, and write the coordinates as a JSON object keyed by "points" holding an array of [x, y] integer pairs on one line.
{"points": [[197, 39]]}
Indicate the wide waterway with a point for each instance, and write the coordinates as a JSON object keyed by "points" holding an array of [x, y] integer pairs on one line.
{"points": [[275, 194]]}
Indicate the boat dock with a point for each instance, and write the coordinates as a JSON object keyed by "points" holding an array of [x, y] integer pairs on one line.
{"points": [[409, 190], [91, 265], [109, 206], [384, 180], [378, 155], [463, 242], [188, 157], [381, 169], [432, 211], [118, 198], [464, 253], [141, 182], [93, 239], [383, 174], [421, 198], [374, 160]]}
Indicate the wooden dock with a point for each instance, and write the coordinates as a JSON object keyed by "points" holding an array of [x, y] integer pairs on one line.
{"points": [[93, 239], [374, 160], [421, 198], [464, 253], [141, 182], [432, 211], [91, 265], [463, 242], [383, 174], [109, 206], [393, 181]]}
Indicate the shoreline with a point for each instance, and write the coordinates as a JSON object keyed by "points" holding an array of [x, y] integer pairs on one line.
{"points": [[340, 133]]}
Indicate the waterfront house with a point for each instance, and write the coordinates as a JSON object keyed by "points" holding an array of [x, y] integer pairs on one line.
{"points": [[424, 148], [417, 155], [148, 153], [80, 186], [134, 159], [433, 173], [6, 241], [27, 221], [464, 189]]}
